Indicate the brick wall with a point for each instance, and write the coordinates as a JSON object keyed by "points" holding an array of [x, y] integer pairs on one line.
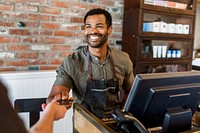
{"points": [[53, 29]]}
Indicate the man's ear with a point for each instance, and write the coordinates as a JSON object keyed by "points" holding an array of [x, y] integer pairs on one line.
{"points": [[110, 30]]}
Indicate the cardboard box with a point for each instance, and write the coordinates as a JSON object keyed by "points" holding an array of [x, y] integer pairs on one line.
{"points": [[149, 2], [162, 27], [181, 5], [159, 2], [178, 28], [170, 27], [170, 4], [155, 26], [185, 29]]}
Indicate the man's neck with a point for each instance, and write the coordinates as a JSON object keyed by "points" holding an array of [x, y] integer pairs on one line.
{"points": [[100, 53]]}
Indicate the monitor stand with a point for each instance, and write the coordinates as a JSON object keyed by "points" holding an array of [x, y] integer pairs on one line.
{"points": [[177, 120]]}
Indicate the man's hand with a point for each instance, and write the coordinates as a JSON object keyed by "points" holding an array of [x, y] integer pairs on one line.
{"points": [[58, 92], [64, 95], [67, 103]]}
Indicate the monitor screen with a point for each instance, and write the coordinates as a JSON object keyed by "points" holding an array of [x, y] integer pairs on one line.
{"points": [[155, 96]]}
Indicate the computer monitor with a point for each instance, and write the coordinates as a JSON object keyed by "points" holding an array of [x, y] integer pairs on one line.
{"points": [[165, 99]]}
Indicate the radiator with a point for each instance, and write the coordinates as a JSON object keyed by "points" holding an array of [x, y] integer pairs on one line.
{"points": [[34, 84]]}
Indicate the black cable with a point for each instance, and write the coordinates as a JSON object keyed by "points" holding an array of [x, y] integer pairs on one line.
{"points": [[125, 128]]}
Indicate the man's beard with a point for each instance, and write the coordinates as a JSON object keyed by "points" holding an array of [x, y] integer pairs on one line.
{"points": [[101, 43]]}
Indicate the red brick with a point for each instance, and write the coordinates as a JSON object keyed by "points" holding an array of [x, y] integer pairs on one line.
{"points": [[50, 10], [9, 40], [9, 0], [71, 12], [50, 25], [37, 1], [79, 34], [50, 54], [76, 20], [60, 19], [32, 24], [79, 5], [38, 17], [56, 61], [50, 29], [1, 62], [96, 6], [6, 23], [39, 62], [26, 8], [48, 67], [7, 69], [14, 15], [60, 4], [16, 62], [43, 32], [7, 7], [27, 55], [114, 35], [18, 47], [20, 1], [63, 33], [16, 1], [61, 47], [32, 40], [54, 40], [117, 29], [82, 27], [19, 32], [70, 26], [107, 2]]}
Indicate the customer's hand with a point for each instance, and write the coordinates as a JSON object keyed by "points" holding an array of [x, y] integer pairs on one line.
{"points": [[55, 109]]}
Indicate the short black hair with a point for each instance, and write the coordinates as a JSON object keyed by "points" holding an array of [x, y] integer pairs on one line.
{"points": [[98, 11]]}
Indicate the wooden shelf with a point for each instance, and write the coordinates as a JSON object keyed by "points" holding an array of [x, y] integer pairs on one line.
{"points": [[138, 41]]}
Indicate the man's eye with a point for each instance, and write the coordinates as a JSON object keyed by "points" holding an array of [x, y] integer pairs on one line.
{"points": [[100, 26], [87, 27]]}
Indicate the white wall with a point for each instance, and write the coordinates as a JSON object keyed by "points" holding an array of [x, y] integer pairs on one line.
{"points": [[197, 29], [34, 84]]}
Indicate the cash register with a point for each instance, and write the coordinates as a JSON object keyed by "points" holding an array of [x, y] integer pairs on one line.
{"points": [[157, 102]]}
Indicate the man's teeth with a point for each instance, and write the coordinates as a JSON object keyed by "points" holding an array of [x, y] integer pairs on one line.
{"points": [[94, 37]]}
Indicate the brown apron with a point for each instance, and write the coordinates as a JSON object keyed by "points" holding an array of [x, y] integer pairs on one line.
{"points": [[101, 97]]}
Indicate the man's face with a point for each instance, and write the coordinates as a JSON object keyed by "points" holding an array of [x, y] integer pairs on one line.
{"points": [[96, 31]]}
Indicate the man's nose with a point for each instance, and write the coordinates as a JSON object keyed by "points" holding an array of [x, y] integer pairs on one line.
{"points": [[93, 30]]}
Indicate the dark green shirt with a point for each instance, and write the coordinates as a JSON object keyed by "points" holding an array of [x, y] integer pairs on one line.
{"points": [[73, 71]]}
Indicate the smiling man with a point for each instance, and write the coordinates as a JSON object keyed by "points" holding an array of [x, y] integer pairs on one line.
{"points": [[99, 75]]}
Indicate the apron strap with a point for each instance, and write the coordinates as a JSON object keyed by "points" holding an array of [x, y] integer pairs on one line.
{"points": [[89, 67], [113, 66]]}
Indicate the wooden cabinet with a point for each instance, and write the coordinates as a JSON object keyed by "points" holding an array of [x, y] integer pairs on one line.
{"points": [[158, 34]]}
